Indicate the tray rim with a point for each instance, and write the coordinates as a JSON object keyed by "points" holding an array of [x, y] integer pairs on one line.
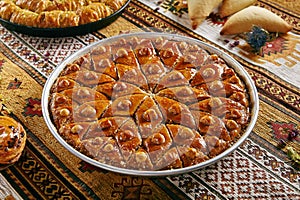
{"points": [[252, 91], [65, 31]]}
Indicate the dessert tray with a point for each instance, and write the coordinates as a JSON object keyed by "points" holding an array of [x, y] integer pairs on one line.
{"points": [[150, 104], [64, 22]]}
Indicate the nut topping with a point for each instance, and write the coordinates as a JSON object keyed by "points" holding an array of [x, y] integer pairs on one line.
{"points": [[208, 72], [154, 68], [175, 109], [216, 85], [124, 104], [186, 133], [215, 102], [100, 50], [72, 68], [122, 53], [235, 113], [82, 92], [88, 111], [64, 83], [141, 157], [231, 125], [158, 139], [119, 86], [90, 76], [105, 124], [108, 148], [104, 63], [168, 53], [126, 135], [176, 77], [150, 115], [183, 45], [60, 99], [186, 91], [76, 129], [207, 120], [145, 52], [64, 112]]}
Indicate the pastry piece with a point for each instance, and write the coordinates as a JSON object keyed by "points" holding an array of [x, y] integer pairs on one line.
{"points": [[215, 145], [208, 73], [209, 124], [175, 112], [105, 127], [132, 75], [154, 71], [93, 12], [216, 105], [199, 10], [73, 133], [36, 5], [105, 150], [229, 7], [169, 160], [59, 100], [128, 139], [7, 8], [220, 88], [170, 54], [140, 160], [244, 20], [24, 17], [158, 143], [182, 136], [184, 94], [103, 62], [192, 54], [63, 115], [64, 83], [69, 5], [145, 52], [12, 140], [191, 156], [115, 5], [118, 89], [90, 111], [171, 79], [90, 78], [125, 105], [57, 18], [83, 94], [148, 116], [123, 54]]}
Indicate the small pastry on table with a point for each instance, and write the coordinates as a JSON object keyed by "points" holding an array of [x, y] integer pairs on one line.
{"points": [[12, 141]]}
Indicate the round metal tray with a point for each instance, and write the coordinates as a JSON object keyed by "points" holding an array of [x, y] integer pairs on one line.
{"points": [[63, 32], [252, 92]]}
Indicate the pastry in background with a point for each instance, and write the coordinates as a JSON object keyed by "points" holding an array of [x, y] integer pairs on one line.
{"points": [[200, 9], [12, 140], [244, 20], [230, 7]]}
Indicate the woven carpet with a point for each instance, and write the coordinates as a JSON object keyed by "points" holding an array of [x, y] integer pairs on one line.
{"points": [[258, 169]]}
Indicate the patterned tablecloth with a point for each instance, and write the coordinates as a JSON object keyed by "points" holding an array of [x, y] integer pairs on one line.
{"points": [[258, 169]]}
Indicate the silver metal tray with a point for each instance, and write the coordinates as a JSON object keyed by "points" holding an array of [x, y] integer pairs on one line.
{"points": [[252, 92]]}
